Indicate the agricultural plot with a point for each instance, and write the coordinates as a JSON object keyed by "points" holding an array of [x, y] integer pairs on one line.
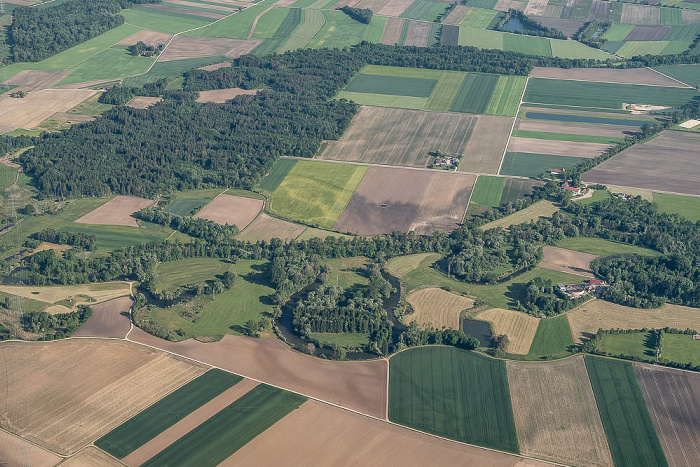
{"points": [[437, 308], [188, 202], [266, 228], [623, 411], [686, 206], [599, 314], [552, 339], [391, 85], [161, 21], [426, 10], [391, 199], [112, 63], [556, 147], [418, 32], [488, 191], [16, 451], [688, 74], [91, 456], [639, 166], [231, 210], [147, 424], [187, 48], [237, 26], [474, 94], [37, 106], [316, 192], [109, 319], [563, 115], [275, 177], [340, 31], [313, 21], [113, 381], [66, 297], [572, 262], [519, 327], [452, 393], [640, 14], [486, 145], [542, 208], [571, 131], [531, 165], [555, 413], [400, 137], [143, 102], [116, 211], [392, 32], [518, 188], [606, 75], [672, 398], [527, 45], [445, 90], [603, 95], [402, 265]]}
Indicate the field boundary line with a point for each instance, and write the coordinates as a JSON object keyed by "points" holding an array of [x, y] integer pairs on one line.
{"points": [[255, 21], [469, 201], [44, 448], [510, 135], [671, 77]]}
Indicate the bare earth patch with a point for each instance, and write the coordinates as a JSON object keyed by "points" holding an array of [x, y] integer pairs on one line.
{"points": [[557, 148], [91, 457], [15, 452], [536, 7], [394, 7], [390, 199], [392, 31], [417, 34], [183, 47], [37, 106], [64, 394], [607, 75], [519, 327], [359, 386], [573, 262], [148, 37], [143, 102], [556, 414], [437, 308], [505, 5], [117, 211], [457, 15], [109, 319], [231, 210], [599, 314], [219, 96], [319, 434], [31, 80], [487, 145], [266, 228]]}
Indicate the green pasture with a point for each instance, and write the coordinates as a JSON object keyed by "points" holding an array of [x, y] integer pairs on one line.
{"points": [[112, 237], [686, 32], [445, 91], [339, 31], [481, 38], [618, 32], [479, 18], [316, 193], [236, 26], [280, 170], [312, 22], [185, 207], [603, 95], [603, 247], [90, 106], [146, 425], [453, 393], [631, 344], [576, 50], [172, 68], [426, 10], [531, 165], [680, 348], [598, 195], [688, 74], [112, 63], [527, 45], [269, 22], [230, 429], [623, 411], [553, 338], [567, 137], [633, 48], [403, 72], [391, 85], [488, 191], [175, 274], [384, 100], [162, 22], [347, 273], [686, 206], [515, 189]]}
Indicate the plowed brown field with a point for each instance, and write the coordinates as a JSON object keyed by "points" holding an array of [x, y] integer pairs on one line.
{"points": [[487, 145], [607, 75], [232, 210], [116, 211], [109, 319], [573, 262]]}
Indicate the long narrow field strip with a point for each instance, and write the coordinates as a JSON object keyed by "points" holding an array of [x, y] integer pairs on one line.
{"points": [[445, 91], [623, 411], [400, 137], [531, 165], [519, 327], [556, 414], [475, 93], [488, 191], [316, 192], [391, 85], [542, 208], [541, 135], [145, 426], [453, 393], [606, 75], [437, 308], [527, 45], [71, 295], [673, 399], [236, 26], [505, 98], [553, 147], [566, 130], [223, 434], [553, 337], [486, 145], [161, 21], [603, 95]]}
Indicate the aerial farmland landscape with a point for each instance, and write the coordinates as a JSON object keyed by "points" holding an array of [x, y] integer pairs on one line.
{"points": [[349, 232]]}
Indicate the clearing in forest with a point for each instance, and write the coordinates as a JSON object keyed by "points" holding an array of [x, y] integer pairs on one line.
{"points": [[117, 211], [437, 308], [219, 96], [573, 262], [542, 208]]}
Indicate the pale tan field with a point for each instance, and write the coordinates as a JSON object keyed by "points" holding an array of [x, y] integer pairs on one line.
{"points": [[392, 31], [487, 145], [116, 211], [16, 452], [311, 232], [187, 424], [599, 314], [359, 386], [64, 394], [536, 7], [232, 210], [607, 75], [215, 66], [143, 102], [556, 414], [319, 434], [183, 47], [573, 262], [78, 294], [52, 246], [148, 37], [437, 308], [29, 80], [540, 209], [402, 265], [613, 131], [220, 96], [417, 34], [266, 228], [37, 106], [457, 15], [91, 457], [394, 7], [643, 15], [556, 148], [505, 5], [519, 327]]}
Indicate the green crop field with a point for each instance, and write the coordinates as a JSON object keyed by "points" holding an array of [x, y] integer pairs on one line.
{"points": [[402, 72], [688, 74], [445, 91], [162, 22], [488, 191], [686, 206], [505, 98], [603, 95], [479, 18], [453, 393], [313, 21], [632, 344], [317, 192], [230, 429], [475, 93], [686, 32], [515, 189], [567, 137], [146, 425], [572, 49], [186, 207], [527, 45], [235, 26], [671, 16], [618, 32], [628, 427], [280, 170], [531, 165], [111, 237], [426, 10], [115, 62], [174, 274], [172, 68], [375, 29], [482, 38], [339, 31], [633, 48], [680, 348], [553, 338], [603, 247], [391, 85], [269, 22]]}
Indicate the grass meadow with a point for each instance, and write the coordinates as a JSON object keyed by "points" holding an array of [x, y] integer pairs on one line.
{"points": [[488, 191], [603, 247], [531, 165], [680, 348], [552, 339]]}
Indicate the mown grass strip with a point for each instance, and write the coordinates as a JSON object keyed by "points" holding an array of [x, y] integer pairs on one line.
{"points": [[623, 411], [145, 426], [488, 191], [445, 91], [229, 430]]}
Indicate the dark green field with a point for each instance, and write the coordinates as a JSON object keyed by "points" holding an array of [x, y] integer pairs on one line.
{"points": [[688, 74], [392, 85], [185, 207], [603, 95], [553, 338], [488, 191], [515, 189], [474, 94], [628, 427], [453, 393], [277, 174], [531, 165], [229, 430], [145, 426]]}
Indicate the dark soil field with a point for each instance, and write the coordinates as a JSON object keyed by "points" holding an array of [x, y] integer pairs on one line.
{"points": [[390, 199], [669, 162], [450, 35], [673, 399], [648, 33], [109, 319]]}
